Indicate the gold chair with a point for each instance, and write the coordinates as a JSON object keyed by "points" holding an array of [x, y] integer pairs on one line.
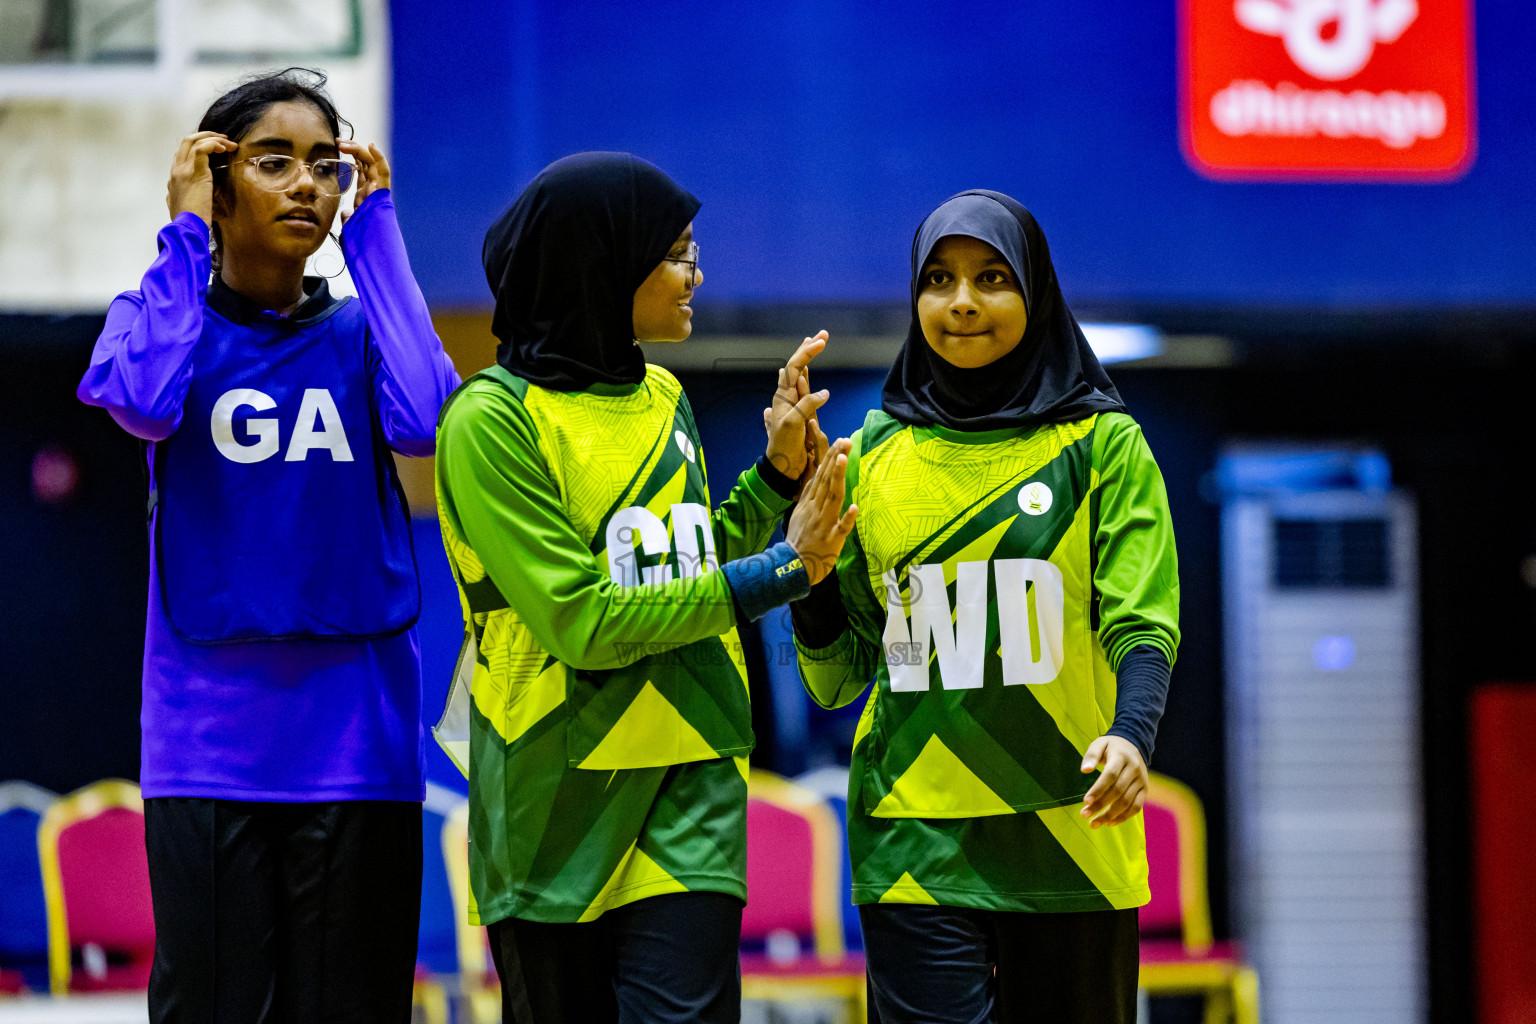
{"points": [[1178, 955]]}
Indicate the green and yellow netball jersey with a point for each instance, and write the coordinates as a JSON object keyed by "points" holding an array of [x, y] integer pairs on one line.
{"points": [[606, 716], [993, 582]]}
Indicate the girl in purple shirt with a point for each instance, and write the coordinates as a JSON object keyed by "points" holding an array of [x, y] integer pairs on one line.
{"points": [[282, 746]]}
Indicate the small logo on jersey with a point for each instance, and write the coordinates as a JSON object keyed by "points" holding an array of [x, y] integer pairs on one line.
{"points": [[684, 445], [1035, 498]]}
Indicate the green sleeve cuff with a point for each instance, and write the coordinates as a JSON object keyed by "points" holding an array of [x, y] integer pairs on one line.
{"points": [[765, 495], [1150, 638], [837, 650]]}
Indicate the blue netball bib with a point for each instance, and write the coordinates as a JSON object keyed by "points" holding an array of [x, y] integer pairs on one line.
{"points": [[278, 513]]}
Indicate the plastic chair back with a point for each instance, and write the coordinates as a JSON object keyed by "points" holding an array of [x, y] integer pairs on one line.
{"points": [[794, 852], [1175, 826], [781, 852], [1164, 916], [96, 880]]}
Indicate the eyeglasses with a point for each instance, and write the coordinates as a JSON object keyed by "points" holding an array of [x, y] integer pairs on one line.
{"points": [[691, 261], [277, 173]]}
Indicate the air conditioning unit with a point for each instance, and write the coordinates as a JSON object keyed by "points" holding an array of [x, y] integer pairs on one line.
{"points": [[1320, 593]]}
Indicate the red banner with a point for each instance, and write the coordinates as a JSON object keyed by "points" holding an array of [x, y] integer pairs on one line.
{"points": [[1503, 720], [1328, 90]]}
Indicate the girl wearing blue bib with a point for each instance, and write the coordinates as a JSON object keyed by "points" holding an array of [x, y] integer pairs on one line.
{"points": [[282, 747]]}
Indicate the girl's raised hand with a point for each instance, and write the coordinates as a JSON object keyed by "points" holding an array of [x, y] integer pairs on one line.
{"points": [[819, 526], [815, 450], [372, 169], [190, 188], [791, 439]]}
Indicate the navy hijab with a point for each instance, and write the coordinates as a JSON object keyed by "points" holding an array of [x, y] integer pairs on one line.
{"points": [[1051, 376], [564, 261]]}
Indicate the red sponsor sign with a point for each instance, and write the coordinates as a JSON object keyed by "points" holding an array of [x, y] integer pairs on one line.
{"points": [[1328, 89]]}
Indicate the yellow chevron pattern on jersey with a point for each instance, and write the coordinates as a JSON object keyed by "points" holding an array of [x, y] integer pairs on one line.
{"points": [[970, 796], [974, 582], [589, 446], [636, 877], [515, 683], [633, 740], [595, 787], [607, 453], [928, 483], [939, 785], [926, 500]]}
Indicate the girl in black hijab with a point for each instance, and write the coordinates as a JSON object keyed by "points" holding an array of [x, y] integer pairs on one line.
{"points": [[1050, 376], [1012, 590], [600, 709], [564, 261]]}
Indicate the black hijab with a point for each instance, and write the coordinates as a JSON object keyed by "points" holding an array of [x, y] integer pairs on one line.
{"points": [[1051, 376], [565, 259]]}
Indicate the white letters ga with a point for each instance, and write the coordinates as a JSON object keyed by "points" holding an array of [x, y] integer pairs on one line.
{"points": [[695, 544], [262, 440], [961, 650]]}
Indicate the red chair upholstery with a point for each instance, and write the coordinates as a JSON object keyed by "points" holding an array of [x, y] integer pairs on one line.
{"points": [[1164, 916], [96, 883], [794, 859], [1178, 956]]}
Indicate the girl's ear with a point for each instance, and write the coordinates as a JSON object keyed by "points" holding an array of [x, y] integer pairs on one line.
{"points": [[221, 201]]}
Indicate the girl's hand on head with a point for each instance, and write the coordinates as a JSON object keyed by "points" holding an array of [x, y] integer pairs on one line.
{"points": [[190, 188], [819, 526], [372, 170], [789, 421], [1121, 790]]}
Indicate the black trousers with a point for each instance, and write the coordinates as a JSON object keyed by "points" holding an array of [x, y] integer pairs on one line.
{"points": [[959, 966], [283, 913], [669, 959]]}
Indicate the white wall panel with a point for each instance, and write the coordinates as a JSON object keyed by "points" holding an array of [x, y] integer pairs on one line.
{"points": [[84, 176]]}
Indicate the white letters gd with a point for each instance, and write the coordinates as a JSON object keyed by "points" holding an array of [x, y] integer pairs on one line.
{"points": [[690, 526]]}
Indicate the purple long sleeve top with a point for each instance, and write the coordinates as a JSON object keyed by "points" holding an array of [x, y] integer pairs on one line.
{"points": [[292, 720]]}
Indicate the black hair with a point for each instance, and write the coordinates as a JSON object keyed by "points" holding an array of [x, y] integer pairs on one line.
{"points": [[233, 114]]}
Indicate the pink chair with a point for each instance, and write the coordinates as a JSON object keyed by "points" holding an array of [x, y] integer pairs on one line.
{"points": [[96, 884], [1178, 955], [794, 854]]}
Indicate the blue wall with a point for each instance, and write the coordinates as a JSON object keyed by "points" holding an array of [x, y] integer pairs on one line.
{"points": [[819, 132]]}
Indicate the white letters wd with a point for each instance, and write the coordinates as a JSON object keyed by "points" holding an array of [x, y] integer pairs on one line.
{"points": [[689, 520], [222, 423], [317, 401], [1034, 657], [1033, 622], [331, 436]]}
